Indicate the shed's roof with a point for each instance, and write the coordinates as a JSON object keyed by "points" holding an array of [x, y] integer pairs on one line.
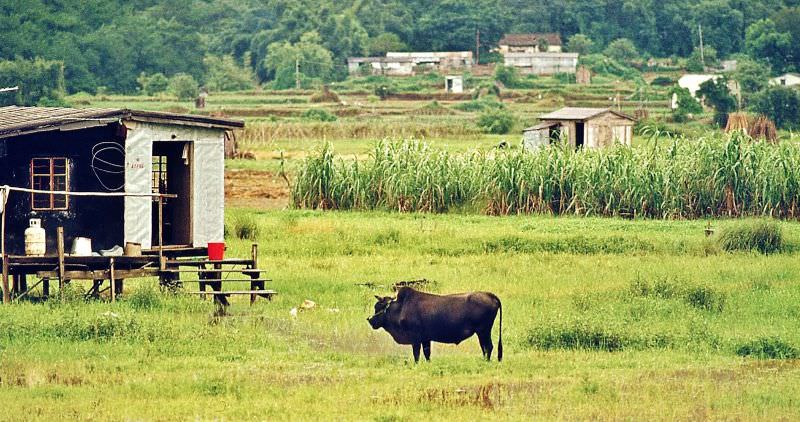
{"points": [[540, 126], [16, 120], [524, 40], [576, 113]]}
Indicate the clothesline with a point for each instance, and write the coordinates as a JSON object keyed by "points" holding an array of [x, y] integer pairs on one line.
{"points": [[7, 188]]}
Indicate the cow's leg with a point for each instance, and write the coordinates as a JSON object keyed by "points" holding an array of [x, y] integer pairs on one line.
{"points": [[415, 348], [485, 338], [426, 348]]}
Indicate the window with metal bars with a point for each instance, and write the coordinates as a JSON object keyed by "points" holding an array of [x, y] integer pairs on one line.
{"points": [[159, 175], [49, 174]]}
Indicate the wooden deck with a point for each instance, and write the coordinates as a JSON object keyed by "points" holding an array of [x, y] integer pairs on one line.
{"points": [[170, 264]]}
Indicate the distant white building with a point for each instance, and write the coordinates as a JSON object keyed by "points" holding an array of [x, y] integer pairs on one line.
{"points": [[542, 63], [380, 66], [788, 79], [454, 84], [408, 64]]}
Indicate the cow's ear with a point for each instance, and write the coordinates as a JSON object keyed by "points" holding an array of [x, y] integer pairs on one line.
{"points": [[378, 297]]}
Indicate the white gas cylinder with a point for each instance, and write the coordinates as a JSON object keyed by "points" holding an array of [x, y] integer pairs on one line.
{"points": [[35, 238]]}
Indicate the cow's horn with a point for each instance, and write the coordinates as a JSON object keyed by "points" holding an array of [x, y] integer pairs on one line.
{"points": [[378, 297]]}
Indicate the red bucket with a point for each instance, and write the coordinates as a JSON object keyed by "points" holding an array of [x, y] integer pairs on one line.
{"points": [[216, 251]]}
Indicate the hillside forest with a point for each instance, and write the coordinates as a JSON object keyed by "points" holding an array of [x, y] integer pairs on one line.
{"points": [[118, 46]]}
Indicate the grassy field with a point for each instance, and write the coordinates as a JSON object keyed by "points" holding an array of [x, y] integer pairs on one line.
{"points": [[603, 319]]}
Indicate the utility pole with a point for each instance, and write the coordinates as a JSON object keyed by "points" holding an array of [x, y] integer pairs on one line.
{"points": [[478, 46], [297, 73], [702, 53]]}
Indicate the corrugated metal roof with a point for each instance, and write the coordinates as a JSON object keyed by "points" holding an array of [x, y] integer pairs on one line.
{"points": [[576, 113], [526, 40], [16, 120]]}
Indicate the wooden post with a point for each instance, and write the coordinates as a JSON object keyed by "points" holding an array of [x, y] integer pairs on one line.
{"points": [[6, 292], [60, 246], [161, 232], [254, 255], [113, 281]]}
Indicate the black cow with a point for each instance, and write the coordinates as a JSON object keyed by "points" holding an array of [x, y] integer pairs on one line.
{"points": [[418, 318]]}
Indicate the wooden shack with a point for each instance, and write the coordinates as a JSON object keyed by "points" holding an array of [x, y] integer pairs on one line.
{"points": [[114, 150], [116, 177], [581, 128]]}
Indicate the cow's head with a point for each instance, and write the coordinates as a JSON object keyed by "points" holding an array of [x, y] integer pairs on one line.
{"points": [[381, 308]]}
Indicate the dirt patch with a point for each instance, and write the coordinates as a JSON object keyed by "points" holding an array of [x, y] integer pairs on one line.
{"points": [[256, 188]]}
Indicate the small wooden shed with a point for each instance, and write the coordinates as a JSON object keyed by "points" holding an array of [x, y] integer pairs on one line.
{"points": [[581, 128], [54, 150]]}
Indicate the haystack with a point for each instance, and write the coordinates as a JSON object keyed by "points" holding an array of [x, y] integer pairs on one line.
{"points": [[737, 122], [325, 96], [763, 128]]}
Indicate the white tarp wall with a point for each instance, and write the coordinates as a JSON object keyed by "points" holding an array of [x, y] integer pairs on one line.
{"points": [[208, 178]]}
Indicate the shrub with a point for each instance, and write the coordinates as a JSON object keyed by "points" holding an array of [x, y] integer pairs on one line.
{"points": [[509, 77], [496, 121], [384, 90], [779, 103], [705, 298], [575, 337], [484, 103], [564, 78], [319, 114], [246, 228], [768, 348], [153, 84], [144, 297], [662, 81], [184, 86], [762, 236]]}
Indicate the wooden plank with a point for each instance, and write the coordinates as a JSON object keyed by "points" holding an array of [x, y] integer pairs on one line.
{"points": [[235, 292], [219, 280], [100, 274], [221, 270], [113, 279], [60, 247], [200, 263]]}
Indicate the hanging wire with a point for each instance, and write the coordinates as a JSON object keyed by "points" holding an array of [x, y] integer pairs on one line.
{"points": [[109, 168]]}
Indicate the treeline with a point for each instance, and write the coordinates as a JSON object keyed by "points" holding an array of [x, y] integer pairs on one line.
{"points": [[111, 44]]}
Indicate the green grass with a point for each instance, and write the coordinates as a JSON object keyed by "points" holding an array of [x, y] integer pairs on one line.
{"points": [[603, 319]]}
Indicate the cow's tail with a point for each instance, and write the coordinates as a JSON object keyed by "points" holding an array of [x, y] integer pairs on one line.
{"points": [[500, 337]]}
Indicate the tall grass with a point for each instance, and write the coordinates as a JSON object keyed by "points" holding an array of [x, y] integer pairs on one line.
{"points": [[720, 175]]}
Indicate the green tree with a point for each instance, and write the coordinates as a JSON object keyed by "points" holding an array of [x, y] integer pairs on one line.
{"points": [[722, 25], [752, 77], [40, 82], [580, 44], [451, 25], [764, 41], [779, 103], [715, 93], [152, 84], [698, 62], [384, 43], [184, 86], [622, 50], [314, 60], [224, 74]]}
